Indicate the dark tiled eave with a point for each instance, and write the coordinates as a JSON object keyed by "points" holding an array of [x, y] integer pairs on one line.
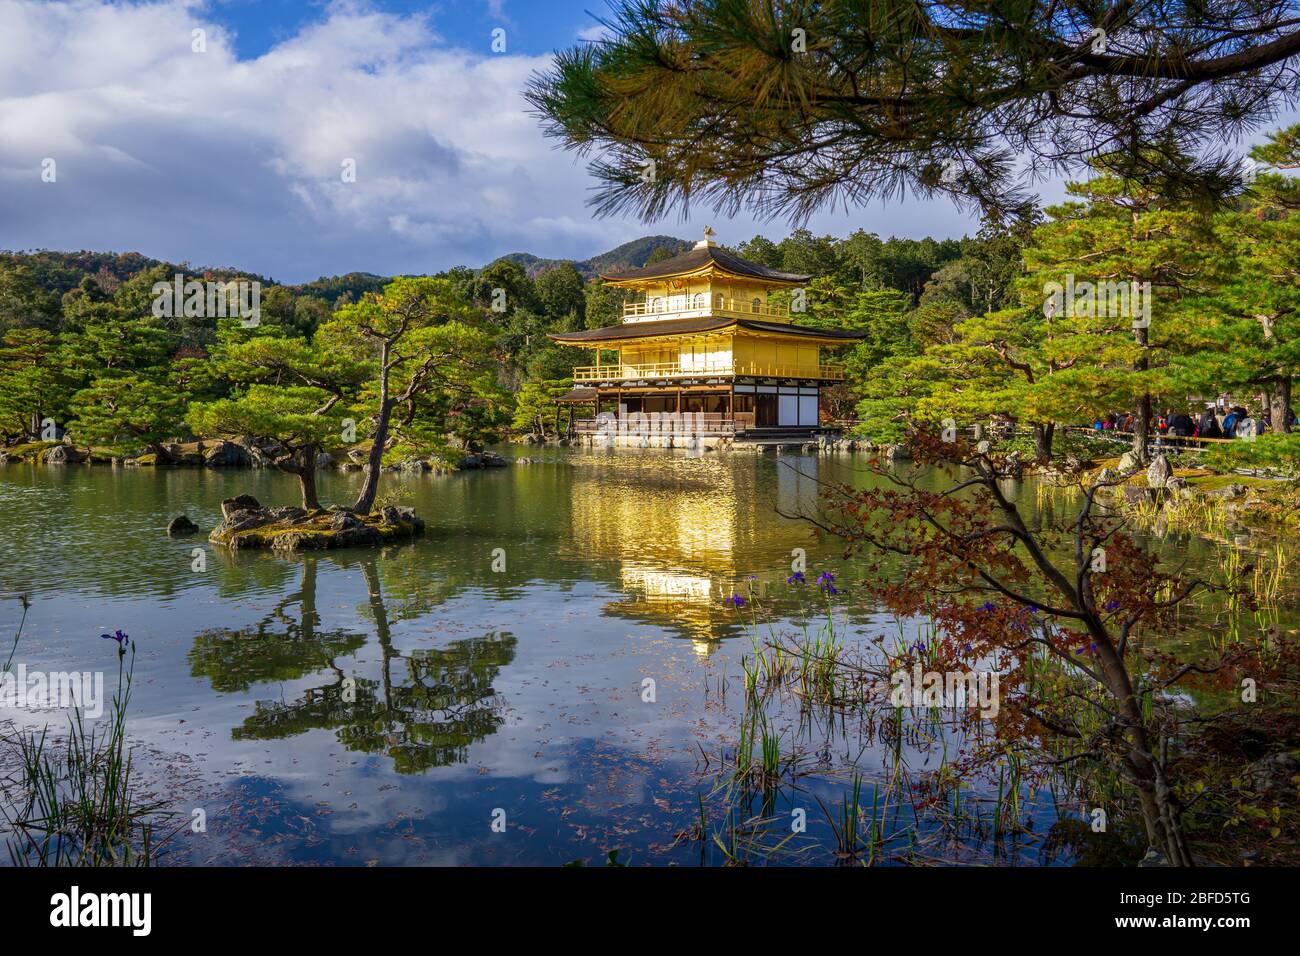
{"points": [[693, 260], [689, 326]]}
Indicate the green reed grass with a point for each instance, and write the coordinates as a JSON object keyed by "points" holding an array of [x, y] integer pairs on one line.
{"points": [[77, 804]]}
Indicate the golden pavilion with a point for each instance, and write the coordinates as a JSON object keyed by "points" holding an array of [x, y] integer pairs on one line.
{"points": [[710, 333]]}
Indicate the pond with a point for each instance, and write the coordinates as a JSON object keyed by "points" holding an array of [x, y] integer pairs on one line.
{"points": [[553, 672]]}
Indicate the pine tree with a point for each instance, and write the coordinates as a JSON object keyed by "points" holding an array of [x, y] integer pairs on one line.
{"points": [[788, 106]]}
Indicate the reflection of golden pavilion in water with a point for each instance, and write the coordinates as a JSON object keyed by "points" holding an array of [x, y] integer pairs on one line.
{"points": [[689, 531]]}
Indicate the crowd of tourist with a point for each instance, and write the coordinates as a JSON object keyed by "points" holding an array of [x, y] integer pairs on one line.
{"points": [[1214, 421]]}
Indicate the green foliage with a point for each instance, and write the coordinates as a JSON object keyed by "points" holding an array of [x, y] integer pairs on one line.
{"points": [[560, 291], [788, 107], [297, 416], [23, 302], [125, 412], [35, 384], [604, 306], [535, 408], [1279, 453]]}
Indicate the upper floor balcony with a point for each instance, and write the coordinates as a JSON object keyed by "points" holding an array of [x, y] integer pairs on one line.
{"points": [[700, 304], [827, 372]]}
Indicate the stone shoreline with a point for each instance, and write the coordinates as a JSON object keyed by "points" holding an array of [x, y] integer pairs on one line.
{"points": [[246, 524], [241, 452]]}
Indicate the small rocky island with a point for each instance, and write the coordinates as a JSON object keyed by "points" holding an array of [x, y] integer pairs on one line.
{"points": [[246, 524]]}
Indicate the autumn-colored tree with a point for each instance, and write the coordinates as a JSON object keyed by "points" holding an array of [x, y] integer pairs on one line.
{"points": [[1068, 610]]}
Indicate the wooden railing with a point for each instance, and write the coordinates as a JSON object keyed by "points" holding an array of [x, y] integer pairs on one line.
{"points": [[703, 305], [698, 423], [1156, 438], [658, 370]]}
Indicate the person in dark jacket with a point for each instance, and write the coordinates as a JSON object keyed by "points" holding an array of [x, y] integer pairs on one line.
{"points": [[1181, 425], [1208, 427]]}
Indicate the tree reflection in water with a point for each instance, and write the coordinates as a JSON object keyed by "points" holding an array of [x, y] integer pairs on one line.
{"points": [[424, 710]]}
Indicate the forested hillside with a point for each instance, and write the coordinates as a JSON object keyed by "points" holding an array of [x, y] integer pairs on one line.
{"points": [[79, 327]]}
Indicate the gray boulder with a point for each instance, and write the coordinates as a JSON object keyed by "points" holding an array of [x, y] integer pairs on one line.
{"points": [[1154, 858], [897, 453], [1159, 472], [1129, 463], [230, 506], [226, 454], [181, 524], [63, 455], [344, 521], [1273, 772]]}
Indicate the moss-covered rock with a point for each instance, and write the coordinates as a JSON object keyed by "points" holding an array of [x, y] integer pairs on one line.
{"points": [[295, 529], [28, 451]]}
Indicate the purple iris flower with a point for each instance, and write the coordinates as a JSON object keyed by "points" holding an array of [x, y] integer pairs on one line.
{"points": [[988, 606], [796, 578], [737, 600], [826, 581], [122, 640], [1112, 605]]}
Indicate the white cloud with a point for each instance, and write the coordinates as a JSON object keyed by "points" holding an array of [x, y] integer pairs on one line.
{"points": [[207, 158]]}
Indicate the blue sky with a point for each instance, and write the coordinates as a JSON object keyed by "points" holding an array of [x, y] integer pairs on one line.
{"points": [[534, 27], [299, 139]]}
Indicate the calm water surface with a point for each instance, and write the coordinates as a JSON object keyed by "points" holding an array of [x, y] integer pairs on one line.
{"points": [[475, 690]]}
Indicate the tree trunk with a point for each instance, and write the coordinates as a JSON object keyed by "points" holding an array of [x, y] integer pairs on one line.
{"points": [[307, 479], [366, 500], [1142, 429], [161, 453], [1144, 766], [375, 463], [1142, 415], [1279, 406], [1043, 433]]}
